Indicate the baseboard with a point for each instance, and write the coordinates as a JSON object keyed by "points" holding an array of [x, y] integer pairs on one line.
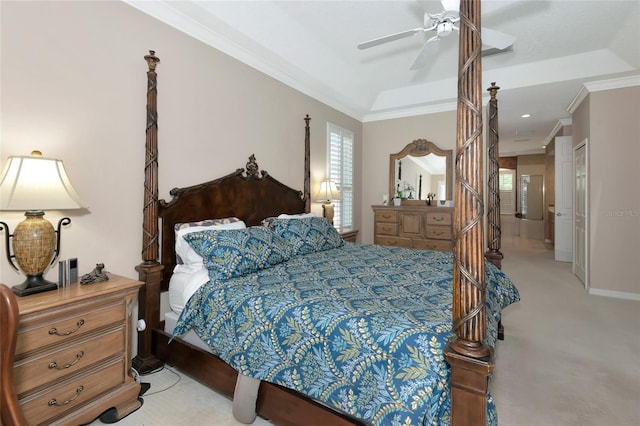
{"points": [[615, 294]]}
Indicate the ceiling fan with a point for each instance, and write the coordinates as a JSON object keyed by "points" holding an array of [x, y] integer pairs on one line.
{"points": [[443, 23]]}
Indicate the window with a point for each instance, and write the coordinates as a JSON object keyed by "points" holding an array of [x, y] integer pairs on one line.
{"points": [[507, 191], [340, 170]]}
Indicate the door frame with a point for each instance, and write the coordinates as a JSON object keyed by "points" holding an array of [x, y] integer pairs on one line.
{"points": [[583, 143]]}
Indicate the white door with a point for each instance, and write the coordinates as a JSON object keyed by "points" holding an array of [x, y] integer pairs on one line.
{"points": [[580, 213], [563, 230]]}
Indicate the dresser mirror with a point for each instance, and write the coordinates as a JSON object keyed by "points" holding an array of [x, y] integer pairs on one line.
{"points": [[531, 195], [420, 169]]}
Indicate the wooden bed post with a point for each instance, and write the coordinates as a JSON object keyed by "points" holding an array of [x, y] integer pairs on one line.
{"points": [[470, 359], [150, 270], [494, 237], [307, 165]]}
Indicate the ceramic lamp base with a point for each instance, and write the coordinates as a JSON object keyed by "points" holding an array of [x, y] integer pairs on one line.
{"points": [[328, 212], [34, 284]]}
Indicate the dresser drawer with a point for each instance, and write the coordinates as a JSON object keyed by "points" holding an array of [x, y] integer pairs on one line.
{"points": [[393, 241], [44, 406], [386, 228], [439, 232], [386, 216], [439, 218], [55, 328], [53, 365], [440, 245]]}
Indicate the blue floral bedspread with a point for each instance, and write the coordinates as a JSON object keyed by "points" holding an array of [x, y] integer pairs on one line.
{"points": [[360, 327]]}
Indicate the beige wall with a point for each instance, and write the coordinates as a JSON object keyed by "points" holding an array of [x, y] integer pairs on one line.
{"points": [[74, 86], [382, 138], [614, 194]]}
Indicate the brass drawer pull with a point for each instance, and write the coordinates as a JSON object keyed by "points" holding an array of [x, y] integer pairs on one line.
{"points": [[53, 402], [54, 364], [54, 330], [387, 216], [438, 219]]}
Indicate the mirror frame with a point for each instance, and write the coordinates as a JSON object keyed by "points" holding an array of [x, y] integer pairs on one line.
{"points": [[420, 148]]}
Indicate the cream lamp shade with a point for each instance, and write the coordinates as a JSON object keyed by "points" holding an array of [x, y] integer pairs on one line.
{"points": [[328, 192], [37, 183], [34, 184]]}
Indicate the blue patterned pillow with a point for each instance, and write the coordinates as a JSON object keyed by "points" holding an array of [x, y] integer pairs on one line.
{"points": [[235, 252], [308, 235]]}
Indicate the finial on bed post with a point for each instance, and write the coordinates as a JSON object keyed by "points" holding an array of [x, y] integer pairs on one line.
{"points": [[494, 233], [150, 270], [470, 358], [307, 165]]}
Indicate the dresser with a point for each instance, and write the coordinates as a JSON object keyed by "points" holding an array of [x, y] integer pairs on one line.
{"points": [[414, 226], [73, 353]]}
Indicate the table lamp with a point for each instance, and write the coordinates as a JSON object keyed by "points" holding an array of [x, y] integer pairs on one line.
{"points": [[34, 183], [328, 192]]}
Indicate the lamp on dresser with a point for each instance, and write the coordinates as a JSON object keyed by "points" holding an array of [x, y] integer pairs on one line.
{"points": [[34, 184], [328, 192]]}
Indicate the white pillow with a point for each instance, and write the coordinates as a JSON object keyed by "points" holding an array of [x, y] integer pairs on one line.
{"points": [[296, 216], [190, 258], [182, 286]]}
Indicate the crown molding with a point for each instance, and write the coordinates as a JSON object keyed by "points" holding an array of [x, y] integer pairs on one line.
{"points": [[577, 100], [410, 112], [559, 125], [615, 83], [597, 86]]}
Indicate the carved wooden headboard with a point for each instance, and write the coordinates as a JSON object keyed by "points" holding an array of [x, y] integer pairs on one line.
{"points": [[247, 194]]}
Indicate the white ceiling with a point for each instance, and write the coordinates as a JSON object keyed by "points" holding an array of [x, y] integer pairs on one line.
{"points": [[311, 45]]}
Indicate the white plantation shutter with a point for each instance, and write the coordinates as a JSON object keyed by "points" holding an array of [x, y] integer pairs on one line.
{"points": [[340, 170], [507, 191]]}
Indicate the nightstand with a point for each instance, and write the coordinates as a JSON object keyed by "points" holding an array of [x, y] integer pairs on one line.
{"points": [[349, 235], [73, 354]]}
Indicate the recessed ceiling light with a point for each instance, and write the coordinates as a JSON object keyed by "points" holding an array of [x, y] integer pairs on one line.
{"points": [[525, 115]]}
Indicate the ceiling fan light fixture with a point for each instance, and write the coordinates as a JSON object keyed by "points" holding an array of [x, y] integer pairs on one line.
{"points": [[444, 28]]}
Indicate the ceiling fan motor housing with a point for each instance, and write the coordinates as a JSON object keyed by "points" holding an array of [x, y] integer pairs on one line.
{"points": [[444, 28]]}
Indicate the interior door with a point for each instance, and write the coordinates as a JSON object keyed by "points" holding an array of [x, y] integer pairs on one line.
{"points": [[563, 232], [580, 213]]}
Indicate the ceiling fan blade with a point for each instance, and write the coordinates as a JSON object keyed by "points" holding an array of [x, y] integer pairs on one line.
{"points": [[429, 50], [496, 39], [390, 37], [451, 5], [495, 6]]}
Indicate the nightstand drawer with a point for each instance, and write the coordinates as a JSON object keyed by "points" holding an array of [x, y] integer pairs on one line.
{"points": [[439, 218], [55, 328], [384, 228], [438, 232], [386, 216], [54, 402], [51, 366]]}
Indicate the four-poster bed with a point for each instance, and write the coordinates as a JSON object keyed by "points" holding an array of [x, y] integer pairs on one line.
{"points": [[252, 197]]}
